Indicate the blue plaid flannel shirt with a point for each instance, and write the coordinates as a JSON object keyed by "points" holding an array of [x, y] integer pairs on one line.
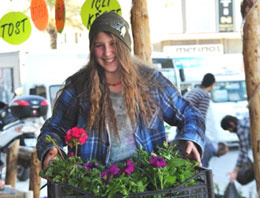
{"points": [[175, 110], [243, 133]]}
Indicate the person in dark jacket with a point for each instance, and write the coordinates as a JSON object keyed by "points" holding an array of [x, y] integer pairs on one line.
{"points": [[241, 127]]}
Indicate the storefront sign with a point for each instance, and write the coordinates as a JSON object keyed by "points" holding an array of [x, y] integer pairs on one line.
{"points": [[193, 50], [226, 16]]}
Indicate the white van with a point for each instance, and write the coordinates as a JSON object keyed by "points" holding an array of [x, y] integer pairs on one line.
{"points": [[229, 97], [164, 64]]}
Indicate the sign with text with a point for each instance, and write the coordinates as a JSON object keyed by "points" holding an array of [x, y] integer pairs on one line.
{"points": [[15, 28], [60, 15], [226, 16], [191, 50], [91, 9], [39, 14]]}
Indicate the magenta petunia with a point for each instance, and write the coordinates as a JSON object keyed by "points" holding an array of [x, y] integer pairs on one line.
{"points": [[157, 161], [90, 165], [130, 166], [71, 154], [114, 169], [106, 175]]}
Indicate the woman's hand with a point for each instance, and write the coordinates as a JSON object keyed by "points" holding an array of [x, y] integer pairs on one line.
{"points": [[191, 151], [52, 154]]}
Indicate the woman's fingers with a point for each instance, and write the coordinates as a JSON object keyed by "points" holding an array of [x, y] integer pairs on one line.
{"points": [[52, 153], [192, 152]]}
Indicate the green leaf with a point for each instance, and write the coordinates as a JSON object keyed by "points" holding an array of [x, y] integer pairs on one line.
{"points": [[171, 180], [177, 162]]}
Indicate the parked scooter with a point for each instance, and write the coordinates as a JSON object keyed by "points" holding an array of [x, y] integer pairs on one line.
{"points": [[22, 120]]}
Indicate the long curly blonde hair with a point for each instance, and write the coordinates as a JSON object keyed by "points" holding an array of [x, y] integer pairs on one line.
{"points": [[136, 85]]}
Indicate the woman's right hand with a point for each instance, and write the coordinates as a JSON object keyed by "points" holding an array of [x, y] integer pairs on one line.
{"points": [[233, 175], [52, 153]]}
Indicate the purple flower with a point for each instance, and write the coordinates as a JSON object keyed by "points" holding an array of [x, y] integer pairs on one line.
{"points": [[157, 161], [106, 175], [130, 166], [71, 154], [113, 169], [90, 165]]}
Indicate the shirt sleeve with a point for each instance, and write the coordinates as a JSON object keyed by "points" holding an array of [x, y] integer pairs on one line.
{"points": [[62, 119], [243, 137], [204, 105], [179, 112]]}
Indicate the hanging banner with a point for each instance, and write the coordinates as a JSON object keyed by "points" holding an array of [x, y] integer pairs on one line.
{"points": [[39, 14], [226, 16], [60, 15], [91, 9], [15, 27]]}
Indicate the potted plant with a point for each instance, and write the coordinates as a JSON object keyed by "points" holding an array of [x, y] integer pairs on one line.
{"points": [[155, 173]]}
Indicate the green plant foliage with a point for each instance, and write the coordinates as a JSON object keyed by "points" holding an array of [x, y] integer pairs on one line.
{"points": [[143, 172]]}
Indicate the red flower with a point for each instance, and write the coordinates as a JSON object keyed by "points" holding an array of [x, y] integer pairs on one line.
{"points": [[76, 136]]}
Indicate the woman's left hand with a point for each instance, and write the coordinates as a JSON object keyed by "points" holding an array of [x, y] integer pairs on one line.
{"points": [[192, 152]]}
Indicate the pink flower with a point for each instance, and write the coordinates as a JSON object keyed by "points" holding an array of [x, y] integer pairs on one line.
{"points": [[157, 161], [76, 136], [130, 166], [106, 175], [71, 154], [90, 165]]}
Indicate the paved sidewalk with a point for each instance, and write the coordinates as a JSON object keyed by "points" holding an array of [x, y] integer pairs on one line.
{"points": [[224, 164]]}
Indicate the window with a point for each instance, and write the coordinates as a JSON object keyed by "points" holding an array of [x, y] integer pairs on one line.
{"points": [[165, 65], [6, 85], [229, 91], [53, 92]]}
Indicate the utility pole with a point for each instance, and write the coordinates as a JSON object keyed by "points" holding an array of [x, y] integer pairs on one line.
{"points": [[141, 29], [250, 10]]}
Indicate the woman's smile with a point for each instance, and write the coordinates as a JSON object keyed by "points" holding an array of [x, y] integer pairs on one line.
{"points": [[106, 53]]}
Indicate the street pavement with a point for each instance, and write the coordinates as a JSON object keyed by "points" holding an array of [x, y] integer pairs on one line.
{"points": [[220, 166]]}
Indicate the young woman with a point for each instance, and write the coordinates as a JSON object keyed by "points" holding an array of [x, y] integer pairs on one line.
{"points": [[120, 102]]}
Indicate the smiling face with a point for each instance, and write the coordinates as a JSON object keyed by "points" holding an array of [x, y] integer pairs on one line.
{"points": [[106, 53]]}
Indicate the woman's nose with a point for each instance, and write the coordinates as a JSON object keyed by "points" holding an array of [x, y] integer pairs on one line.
{"points": [[108, 50]]}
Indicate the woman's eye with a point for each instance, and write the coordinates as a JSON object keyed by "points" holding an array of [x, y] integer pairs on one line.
{"points": [[98, 45], [113, 43]]}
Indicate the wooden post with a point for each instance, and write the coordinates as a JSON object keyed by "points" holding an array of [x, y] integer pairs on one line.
{"points": [[35, 179], [251, 52], [25, 154], [11, 163], [141, 29]]}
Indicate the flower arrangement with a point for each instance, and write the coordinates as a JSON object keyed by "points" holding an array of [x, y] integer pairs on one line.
{"points": [[143, 172]]}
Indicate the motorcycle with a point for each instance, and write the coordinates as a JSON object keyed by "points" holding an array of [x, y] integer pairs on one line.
{"points": [[22, 120]]}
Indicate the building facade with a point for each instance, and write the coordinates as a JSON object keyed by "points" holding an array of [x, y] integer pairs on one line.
{"points": [[190, 24]]}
